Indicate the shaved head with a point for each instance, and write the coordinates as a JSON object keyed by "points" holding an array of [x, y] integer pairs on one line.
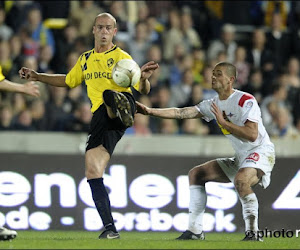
{"points": [[105, 14], [230, 68]]}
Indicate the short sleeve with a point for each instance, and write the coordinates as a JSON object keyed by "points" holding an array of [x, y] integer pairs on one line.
{"points": [[2, 77], [251, 111], [75, 77], [204, 108]]}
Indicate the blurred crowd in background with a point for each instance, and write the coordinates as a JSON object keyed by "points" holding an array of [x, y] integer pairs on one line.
{"points": [[186, 38]]}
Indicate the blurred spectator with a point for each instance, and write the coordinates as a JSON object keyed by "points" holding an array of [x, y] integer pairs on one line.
{"points": [[125, 27], [255, 85], [6, 117], [5, 31], [80, 121], [140, 126], [24, 121], [285, 127], [259, 56], [18, 103], [30, 47], [37, 110], [140, 43], [17, 13], [40, 33], [44, 59], [283, 8], [208, 92], [155, 30], [225, 43], [162, 99], [155, 54], [168, 127], [180, 93], [16, 53], [293, 72], [172, 36], [191, 38], [242, 67], [271, 104], [181, 61], [57, 110], [64, 46], [278, 41], [193, 127], [82, 14], [198, 64], [215, 16], [195, 97]]}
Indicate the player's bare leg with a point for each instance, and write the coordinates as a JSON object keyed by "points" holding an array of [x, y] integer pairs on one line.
{"points": [[198, 176], [96, 160], [245, 179]]}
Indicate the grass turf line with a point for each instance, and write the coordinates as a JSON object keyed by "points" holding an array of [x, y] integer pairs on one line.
{"points": [[139, 240]]}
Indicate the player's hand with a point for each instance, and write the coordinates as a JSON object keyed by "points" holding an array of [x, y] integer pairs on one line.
{"points": [[28, 74], [141, 108], [148, 69], [217, 112], [30, 88]]}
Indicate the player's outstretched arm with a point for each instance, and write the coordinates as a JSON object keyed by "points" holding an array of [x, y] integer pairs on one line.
{"points": [[169, 113], [57, 80], [28, 88], [146, 71]]}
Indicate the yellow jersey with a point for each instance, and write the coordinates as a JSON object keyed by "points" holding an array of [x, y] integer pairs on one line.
{"points": [[96, 70], [2, 77]]}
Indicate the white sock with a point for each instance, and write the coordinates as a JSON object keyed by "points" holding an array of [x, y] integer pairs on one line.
{"points": [[250, 212], [197, 206]]}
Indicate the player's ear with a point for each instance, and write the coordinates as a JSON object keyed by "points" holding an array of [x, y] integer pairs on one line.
{"points": [[232, 79], [115, 31]]}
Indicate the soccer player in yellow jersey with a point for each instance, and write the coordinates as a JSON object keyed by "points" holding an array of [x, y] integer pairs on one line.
{"points": [[28, 88], [113, 107]]}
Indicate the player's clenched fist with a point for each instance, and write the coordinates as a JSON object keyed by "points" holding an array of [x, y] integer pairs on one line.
{"points": [[28, 74]]}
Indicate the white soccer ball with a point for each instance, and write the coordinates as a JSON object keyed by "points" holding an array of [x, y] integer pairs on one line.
{"points": [[126, 73]]}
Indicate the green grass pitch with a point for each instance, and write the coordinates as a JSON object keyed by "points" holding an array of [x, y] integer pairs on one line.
{"points": [[139, 240]]}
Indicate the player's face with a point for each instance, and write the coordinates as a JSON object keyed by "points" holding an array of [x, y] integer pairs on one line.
{"points": [[104, 30], [220, 80]]}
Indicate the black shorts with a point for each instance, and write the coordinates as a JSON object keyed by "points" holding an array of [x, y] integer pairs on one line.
{"points": [[105, 131]]}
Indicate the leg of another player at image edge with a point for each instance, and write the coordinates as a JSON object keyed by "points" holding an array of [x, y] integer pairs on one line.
{"points": [[6, 234]]}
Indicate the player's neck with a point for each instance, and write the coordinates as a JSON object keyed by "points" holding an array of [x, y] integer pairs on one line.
{"points": [[225, 94], [103, 48]]}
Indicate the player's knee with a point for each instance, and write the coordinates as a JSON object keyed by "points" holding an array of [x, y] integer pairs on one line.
{"points": [[241, 185], [197, 176]]}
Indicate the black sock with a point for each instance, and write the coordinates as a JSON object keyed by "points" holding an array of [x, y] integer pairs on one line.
{"points": [[108, 97], [102, 203]]}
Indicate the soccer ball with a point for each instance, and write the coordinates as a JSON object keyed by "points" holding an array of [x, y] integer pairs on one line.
{"points": [[126, 73]]}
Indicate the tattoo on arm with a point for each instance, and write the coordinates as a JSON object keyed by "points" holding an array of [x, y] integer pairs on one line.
{"points": [[186, 113]]}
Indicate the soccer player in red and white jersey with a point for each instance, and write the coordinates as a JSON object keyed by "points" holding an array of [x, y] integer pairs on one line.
{"points": [[239, 117]]}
